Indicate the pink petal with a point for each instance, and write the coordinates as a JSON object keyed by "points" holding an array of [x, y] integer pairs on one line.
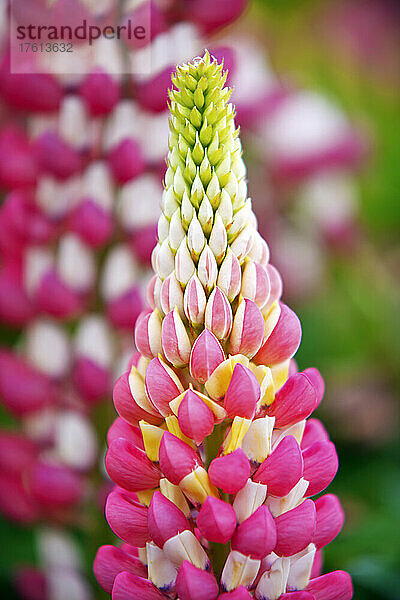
{"points": [[161, 385], [123, 311], [317, 565], [330, 519], [177, 459], [110, 561], [242, 394], [276, 284], [230, 472], [126, 161], [126, 406], [175, 340], [23, 389], [55, 156], [283, 341], [195, 584], [314, 432], [241, 593], [92, 381], [127, 518], [147, 338], [320, 466], [101, 92], [294, 401], [206, 355], [295, 529], [332, 586], [282, 469], [297, 596], [128, 586], [316, 379], [16, 453], [120, 428], [218, 315], [129, 466], [248, 329], [165, 519], [55, 485], [196, 420], [31, 584], [210, 17], [256, 536], [216, 520]]}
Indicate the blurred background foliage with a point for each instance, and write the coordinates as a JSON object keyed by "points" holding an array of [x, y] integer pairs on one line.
{"points": [[351, 325]]}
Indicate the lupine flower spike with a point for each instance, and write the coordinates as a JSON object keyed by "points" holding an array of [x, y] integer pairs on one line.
{"points": [[213, 480]]}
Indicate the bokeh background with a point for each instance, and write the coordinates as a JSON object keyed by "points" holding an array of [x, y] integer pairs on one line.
{"points": [[334, 228]]}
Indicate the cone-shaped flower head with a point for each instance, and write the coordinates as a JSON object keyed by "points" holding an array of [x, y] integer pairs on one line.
{"points": [[220, 506]]}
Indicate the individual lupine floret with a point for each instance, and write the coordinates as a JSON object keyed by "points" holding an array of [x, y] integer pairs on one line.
{"points": [[232, 459]]}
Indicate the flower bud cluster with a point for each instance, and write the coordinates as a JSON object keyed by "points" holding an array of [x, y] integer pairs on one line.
{"points": [[214, 454]]}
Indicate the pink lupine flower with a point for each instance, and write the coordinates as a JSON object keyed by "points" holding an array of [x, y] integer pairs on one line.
{"points": [[221, 491]]}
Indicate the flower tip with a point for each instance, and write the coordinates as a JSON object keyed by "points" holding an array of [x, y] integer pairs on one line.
{"points": [[206, 355], [196, 420], [256, 536], [230, 472], [177, 459], [165, 519], [216, 520]]}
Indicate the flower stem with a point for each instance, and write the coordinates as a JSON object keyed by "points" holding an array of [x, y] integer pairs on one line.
{"points": [[219, 552]]}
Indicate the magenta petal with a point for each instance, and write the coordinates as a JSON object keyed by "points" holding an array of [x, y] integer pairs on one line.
{"points": [[317, 565], [216, 520], [126, 406], [92, 223], [283, 341], [55, 485], [230, 472], [92, 381], [129, 467], [297, 596], [101, 92], [127, 518], [121, 429], [248, 329], [314, 432], [110, 561], [31, 584], [210, 16], [206, 355], [320, 466], [128, 586], [295, 401], [256, 536], [332, 586], [165, 519], [16, 453], [23, 389], [196, 420], [316, 379], [177, 459], [160, 386], [241, 593], [282, 469], [330, 519], [242, 394], [295, 529], [126, 161], [55, 156], [195, 584]]}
